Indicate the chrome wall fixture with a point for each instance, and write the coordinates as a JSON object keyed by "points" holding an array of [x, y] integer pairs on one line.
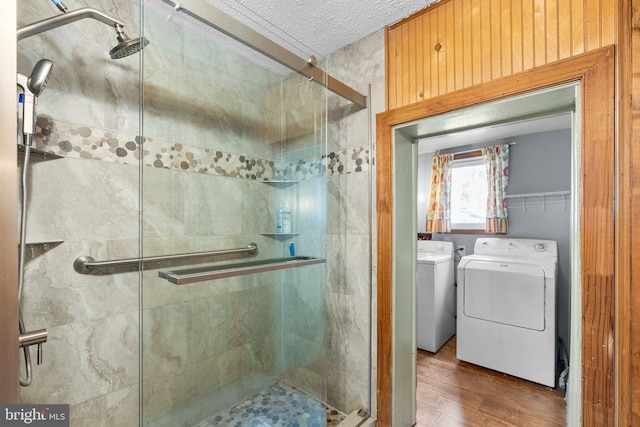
{"points": [[126, 46], [86, 264], [201, 274], [211, 16]]}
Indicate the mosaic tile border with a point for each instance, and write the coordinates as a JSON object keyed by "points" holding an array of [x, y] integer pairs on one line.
{"points": [[82, 142]]}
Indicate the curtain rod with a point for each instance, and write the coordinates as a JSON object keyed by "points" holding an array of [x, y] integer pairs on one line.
{"points": [[475, 149]]}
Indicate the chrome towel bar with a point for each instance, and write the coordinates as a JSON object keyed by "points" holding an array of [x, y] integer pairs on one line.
{"points": [[85, 264], [201, 274]]}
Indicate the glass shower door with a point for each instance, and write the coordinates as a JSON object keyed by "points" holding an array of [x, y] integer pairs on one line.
{"points": [[229, 140]]}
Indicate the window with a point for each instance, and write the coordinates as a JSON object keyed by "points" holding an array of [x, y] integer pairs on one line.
{"points": [[468, 193]]}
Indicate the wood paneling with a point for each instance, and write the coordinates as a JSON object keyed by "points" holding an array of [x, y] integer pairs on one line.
{"points": [[595, 70], [384, 300], [630, 129], [483, 40]]}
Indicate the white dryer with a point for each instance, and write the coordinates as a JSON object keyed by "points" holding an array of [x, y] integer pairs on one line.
{"points": [[507, 307], [436, 308]]}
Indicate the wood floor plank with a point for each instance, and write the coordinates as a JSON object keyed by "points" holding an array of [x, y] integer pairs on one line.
{"points": [[455, 393]]}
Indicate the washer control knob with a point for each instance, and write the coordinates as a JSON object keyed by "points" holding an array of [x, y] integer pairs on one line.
{"points": [[540, 247]]}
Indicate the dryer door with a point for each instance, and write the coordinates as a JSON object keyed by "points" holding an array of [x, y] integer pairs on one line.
{"points": [[505, 292]]}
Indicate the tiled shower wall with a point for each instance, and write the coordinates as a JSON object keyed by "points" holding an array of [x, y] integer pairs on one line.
{"points": [[91, 358], [351, 285]]}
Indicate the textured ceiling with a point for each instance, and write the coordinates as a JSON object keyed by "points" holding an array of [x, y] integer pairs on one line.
{"points": [[318, 27]]}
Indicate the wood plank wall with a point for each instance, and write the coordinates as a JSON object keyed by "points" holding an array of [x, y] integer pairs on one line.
{"points": [[460, 43], [632, 125]]}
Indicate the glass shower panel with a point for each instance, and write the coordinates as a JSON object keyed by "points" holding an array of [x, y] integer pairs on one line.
{"points": [[231, 142]]}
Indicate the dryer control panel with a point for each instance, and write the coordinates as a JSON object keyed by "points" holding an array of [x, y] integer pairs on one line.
{"points": [[530, 248]]}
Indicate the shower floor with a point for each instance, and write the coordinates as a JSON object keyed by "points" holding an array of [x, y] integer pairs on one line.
{"points": [[279, 405]]}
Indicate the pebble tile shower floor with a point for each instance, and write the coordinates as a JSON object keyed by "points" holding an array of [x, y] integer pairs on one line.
{"points": [[278, 406]]}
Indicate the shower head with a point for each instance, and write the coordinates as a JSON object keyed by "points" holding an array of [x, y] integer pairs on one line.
{"points": [[126, 45], [33, 86], [39, 76]]}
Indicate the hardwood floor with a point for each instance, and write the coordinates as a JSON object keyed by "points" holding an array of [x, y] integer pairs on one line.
{"points": [[460, 394]]}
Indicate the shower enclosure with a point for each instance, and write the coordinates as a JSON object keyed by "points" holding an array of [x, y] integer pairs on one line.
{"points": [[230, 143], [177, 229]]}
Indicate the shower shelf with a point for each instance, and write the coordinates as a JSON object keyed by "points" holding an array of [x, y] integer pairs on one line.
{"points": [[45, 243], [201, 274], [44, 154], [35, 249], [280, 182], [280, 234]]}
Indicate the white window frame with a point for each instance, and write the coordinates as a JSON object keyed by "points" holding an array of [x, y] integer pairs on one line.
{"points": [[466, 226]]}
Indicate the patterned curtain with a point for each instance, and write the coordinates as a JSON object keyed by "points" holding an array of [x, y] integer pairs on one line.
{"points": [[439, 208], [496, 159]]}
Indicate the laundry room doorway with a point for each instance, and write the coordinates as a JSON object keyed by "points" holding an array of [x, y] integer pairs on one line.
{"points": [[587, 84], [464, 381]]}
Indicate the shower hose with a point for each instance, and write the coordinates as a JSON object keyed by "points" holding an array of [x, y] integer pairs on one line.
{"points": [[26, 381]]}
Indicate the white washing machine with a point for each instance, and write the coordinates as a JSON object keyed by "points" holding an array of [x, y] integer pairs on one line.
{"points": [[436, 307], [507, 307]]}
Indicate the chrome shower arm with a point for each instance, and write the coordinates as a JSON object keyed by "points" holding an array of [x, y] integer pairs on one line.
{"points": [[67, 18]]}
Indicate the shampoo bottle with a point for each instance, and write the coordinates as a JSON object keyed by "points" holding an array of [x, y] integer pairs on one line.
{"points": [[286, 219], [283, 219], [279, 219]]}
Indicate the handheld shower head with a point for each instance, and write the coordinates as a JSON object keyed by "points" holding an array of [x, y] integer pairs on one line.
{"points": [[39, 76], [33, 86], [127, 46]]}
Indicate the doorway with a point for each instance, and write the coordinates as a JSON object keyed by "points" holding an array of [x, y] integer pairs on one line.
{"points": [[596, 235], [544, 174]]}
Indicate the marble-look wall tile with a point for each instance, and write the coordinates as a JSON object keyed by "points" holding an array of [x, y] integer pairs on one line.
{"points": [[358, 266], [336, 263], [351, 211], [90, 359], [59, 198], [244, 207], [305, 365], [219, 95], [336, 204], [358, 204], [309, 201], [195, 339], [211, 326], [348, 351], [116, 409], [256, 313], [303, 302], [261, 363], [164, 337], [55, 295]]}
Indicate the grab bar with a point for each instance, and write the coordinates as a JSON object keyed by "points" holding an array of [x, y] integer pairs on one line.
{"points": [[85, 264]]}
